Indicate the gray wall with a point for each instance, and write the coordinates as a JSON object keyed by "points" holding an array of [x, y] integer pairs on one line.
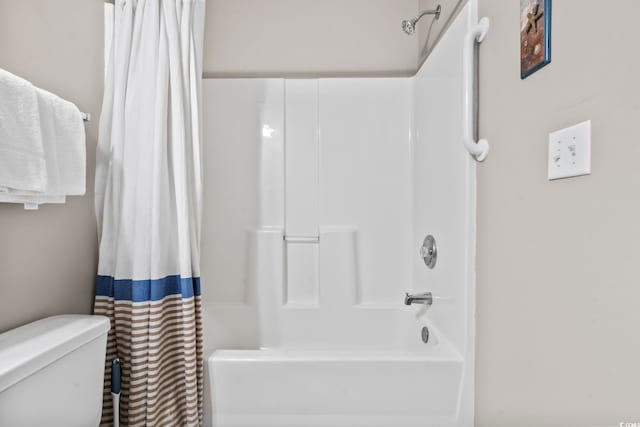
{"points": [[48, 257], [558, 285], [308, 37]]}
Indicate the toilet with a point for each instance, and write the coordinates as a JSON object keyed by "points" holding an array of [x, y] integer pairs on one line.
{"points": [[52, 372]]}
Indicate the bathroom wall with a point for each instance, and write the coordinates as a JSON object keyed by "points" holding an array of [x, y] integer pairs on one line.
{"points": [[48, 257], [557, 291], [285, 38]]}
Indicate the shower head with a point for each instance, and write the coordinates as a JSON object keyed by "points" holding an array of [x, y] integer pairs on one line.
{"points": [[409, 25]]}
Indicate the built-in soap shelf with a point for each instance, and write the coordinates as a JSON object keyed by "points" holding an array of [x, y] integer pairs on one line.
{"points": [[301, 239]]}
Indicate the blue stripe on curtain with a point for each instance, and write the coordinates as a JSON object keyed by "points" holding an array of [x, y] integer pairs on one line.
{"points": [[147, 290]]}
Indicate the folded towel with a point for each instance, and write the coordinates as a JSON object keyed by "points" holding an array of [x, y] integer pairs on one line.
{"points": [[22, 159], [64, 144], [42, 140]]}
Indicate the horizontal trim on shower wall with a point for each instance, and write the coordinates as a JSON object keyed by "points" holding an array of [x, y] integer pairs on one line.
{"points": [[301, 239], [147, 290], [306, 75]]}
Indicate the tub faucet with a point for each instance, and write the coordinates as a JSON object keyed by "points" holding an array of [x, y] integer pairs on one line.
{"points": [[425, 298]]}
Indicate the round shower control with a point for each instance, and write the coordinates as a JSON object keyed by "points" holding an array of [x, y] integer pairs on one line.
{"points": [[429, 251]]}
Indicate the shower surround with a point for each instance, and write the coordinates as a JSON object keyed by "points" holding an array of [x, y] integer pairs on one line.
{"points": [[318, 195]]}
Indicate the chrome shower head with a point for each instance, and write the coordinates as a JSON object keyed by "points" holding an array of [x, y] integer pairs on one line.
{"points": [[409, 25]]}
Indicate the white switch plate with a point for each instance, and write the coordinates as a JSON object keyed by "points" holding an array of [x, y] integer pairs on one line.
{"points": [[570, 151]]}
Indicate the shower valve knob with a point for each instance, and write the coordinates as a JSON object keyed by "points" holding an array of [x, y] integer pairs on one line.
{"points": [[426, 252], [429, 251]]}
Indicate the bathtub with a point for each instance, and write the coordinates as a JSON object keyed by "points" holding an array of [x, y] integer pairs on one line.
{"points": [[336, 388]]}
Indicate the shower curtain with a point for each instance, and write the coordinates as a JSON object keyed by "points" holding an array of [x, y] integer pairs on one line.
{"points": [[148, 206]]}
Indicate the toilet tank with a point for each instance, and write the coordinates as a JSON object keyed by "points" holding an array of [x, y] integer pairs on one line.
{"points": [[52, 372]]}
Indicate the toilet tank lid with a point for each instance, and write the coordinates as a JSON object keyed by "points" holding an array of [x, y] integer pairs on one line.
{"points": [[29, 348]]}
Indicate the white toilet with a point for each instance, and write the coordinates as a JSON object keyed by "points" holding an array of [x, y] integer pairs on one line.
{"points": [[52, 371]]}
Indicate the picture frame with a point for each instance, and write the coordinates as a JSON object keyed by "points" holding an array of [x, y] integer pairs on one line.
{"points": [[535, 36]]}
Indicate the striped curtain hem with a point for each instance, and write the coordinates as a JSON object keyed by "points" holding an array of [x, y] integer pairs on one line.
{"points": [[156, 331]]}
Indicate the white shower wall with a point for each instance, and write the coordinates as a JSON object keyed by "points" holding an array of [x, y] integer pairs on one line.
{"points": [[281, 160], [365, 158]]}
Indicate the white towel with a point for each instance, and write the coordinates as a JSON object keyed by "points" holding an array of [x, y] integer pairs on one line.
{"points": [[64, 145], [22, 159], [62, 134]]}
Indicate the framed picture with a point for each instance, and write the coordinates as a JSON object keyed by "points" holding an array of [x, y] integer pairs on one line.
{"points": [[535, 35]]}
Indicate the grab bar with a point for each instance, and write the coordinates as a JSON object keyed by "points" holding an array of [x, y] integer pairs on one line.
{"points": [[479, 149]]}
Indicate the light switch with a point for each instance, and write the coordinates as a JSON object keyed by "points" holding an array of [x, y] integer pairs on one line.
{"points": [[570, 151]]}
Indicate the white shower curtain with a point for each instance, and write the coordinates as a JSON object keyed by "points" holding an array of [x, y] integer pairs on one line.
{"points": [[148, 204]]}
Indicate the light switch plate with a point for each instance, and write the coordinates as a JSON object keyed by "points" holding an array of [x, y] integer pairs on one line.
{"points": [[570, 151]]}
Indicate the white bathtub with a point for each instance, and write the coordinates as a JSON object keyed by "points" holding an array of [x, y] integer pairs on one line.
{"points": [[309, 388]]}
